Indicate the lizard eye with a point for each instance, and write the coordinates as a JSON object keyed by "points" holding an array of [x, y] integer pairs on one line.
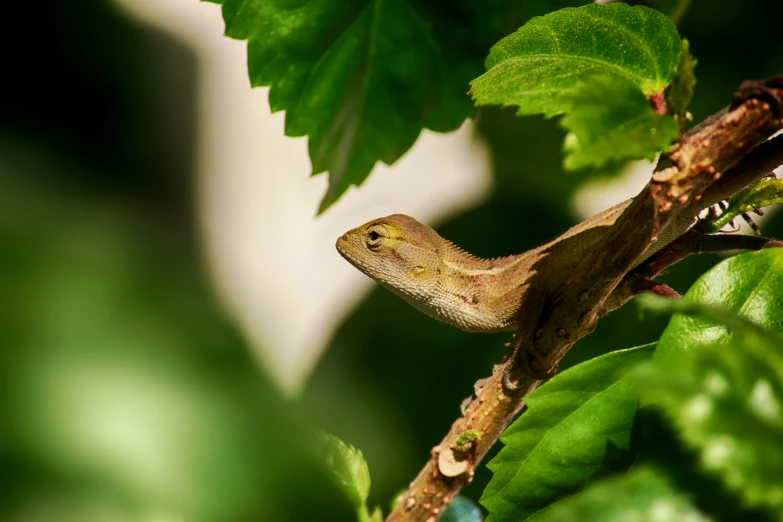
{"points": [[375, 236]]}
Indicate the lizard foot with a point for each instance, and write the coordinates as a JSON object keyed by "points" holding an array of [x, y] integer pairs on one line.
{"points": [[769, 91], [533, 362], [749, 220]]}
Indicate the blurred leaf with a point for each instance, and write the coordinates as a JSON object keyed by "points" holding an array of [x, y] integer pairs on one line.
{"points": [[658, 445], [577, 426], [680, 92], [346, 467], [726, 400], [764, 193], [710, 313], [362, 78], [610, 119], [538, 68], [462, 509], [377, 515], [128, 394], [641, 496], [723, 389]]}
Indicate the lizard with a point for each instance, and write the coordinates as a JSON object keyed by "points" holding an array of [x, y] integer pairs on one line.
{"points": [[508, 293], [476, 295]]}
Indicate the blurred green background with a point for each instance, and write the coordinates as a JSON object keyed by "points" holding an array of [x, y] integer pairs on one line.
{"points": [[126, 393]]}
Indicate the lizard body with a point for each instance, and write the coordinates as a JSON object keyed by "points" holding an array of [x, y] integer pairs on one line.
{"points": [[473, 294]]}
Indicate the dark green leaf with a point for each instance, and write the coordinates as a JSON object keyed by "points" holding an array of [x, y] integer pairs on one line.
{"points": [[642, 496], [577, 426], [362, 78], [719, 376], [609, 118], [539, 67]]}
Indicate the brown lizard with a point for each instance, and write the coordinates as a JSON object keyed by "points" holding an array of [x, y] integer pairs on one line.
{"points": [[451, 285], [473, 294], [510, 293], [492, 295]]}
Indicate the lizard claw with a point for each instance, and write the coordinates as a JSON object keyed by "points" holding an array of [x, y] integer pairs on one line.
{"points": [[542, 375], [509, 385], [769, 90], [749, 220]]}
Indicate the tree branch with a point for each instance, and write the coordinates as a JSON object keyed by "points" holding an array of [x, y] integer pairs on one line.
{"points": [[640, 279], [703, 166]]}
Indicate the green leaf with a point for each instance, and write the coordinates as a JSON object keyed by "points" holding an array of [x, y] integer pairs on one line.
{"points": [[764, 193], [577, 426], [610, 119], [362, 78], [641, 496], [539, 67], [712, 314], [680, 92], [719, 376], [348, 470], [749, 284]]}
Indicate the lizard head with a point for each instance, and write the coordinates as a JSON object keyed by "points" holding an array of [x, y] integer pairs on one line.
{"points": [[398, 252]]}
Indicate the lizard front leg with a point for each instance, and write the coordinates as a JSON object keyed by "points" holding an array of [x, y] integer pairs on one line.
{"points": [[523, 351]]}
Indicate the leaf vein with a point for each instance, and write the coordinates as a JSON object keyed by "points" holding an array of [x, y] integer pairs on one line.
{"points": [[549, 431]]}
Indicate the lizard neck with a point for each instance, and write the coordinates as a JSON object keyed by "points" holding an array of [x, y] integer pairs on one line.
{"points": [[478, 295]]}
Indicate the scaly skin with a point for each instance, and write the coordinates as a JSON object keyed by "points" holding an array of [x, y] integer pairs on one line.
{"points": [[447, 283], [481, 295], [491, 295]]}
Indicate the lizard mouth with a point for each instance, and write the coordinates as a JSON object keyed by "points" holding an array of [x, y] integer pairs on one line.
{"points": [[346, 249], [342, 246], [353, 254]]}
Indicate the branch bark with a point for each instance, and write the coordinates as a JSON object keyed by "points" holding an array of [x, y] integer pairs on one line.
{"points": [[702, 169]]}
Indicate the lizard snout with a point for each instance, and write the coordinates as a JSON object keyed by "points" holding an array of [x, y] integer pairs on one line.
{"points": [[342, 243]]}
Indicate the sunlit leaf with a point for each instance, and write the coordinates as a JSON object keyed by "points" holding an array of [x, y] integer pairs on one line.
{"points": [[719, 376], [749, 284], [539, 67], [610, 119], [577, 426]]}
